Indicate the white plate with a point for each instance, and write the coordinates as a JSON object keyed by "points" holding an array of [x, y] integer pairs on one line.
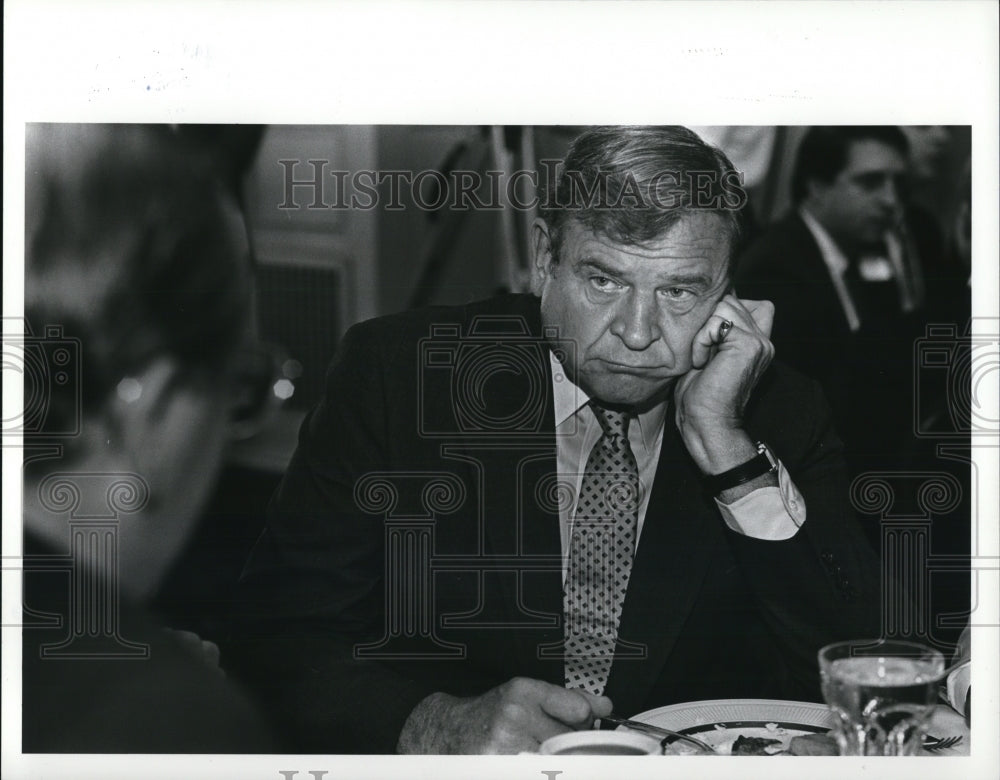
{"points": [[720, 721]]}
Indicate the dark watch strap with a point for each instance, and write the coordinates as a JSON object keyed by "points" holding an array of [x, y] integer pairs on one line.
{"points": [[738, 475]]}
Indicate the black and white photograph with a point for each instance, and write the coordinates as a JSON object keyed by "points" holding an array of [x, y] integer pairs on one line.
{"points": [[448, 411]]}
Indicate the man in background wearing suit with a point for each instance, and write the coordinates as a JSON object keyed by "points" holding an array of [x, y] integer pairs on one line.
{"points": [[855, 276], [605, 493]]}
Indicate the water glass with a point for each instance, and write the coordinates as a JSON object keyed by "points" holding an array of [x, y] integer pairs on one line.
{"points": [[883, 693]]}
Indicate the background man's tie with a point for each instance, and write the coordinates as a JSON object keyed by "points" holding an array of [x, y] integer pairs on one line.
{"points": [[601, 551]]}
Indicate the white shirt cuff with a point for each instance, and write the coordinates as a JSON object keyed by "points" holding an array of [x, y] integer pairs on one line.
{"points": [[959, 683], [769, 513]]}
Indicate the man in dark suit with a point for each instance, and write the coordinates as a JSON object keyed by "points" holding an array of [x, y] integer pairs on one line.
{"points": [[855, 276], [506, 518]]}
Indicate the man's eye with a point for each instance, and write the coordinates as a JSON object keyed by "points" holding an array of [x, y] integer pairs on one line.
{"points": [[677, 293], [871, 181], [604, 284]]}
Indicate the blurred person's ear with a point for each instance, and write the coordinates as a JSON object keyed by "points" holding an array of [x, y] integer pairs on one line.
{"points": [[128, 420], [172, 430], [166, 427], [141, 401], [161, 410]]}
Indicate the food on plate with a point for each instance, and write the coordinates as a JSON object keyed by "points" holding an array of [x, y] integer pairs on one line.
{"points": [[813, 745], [754, 746], [745, 739]]}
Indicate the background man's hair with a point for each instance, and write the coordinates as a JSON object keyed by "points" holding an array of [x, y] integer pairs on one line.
{"points": [[604, 164], [131, 247], [823, 152]]}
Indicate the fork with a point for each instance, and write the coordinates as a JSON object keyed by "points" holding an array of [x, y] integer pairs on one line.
{"points": [[940, 743], [657, 731]]}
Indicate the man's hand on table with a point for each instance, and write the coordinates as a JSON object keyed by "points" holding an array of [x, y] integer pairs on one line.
{"points": [[516, 716]]}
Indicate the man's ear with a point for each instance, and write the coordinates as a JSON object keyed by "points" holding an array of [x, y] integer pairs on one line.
{"points": [[542, 259], [139, 403]]}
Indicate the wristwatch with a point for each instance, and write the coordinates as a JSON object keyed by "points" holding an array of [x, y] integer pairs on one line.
{"points": [[763, 463]]}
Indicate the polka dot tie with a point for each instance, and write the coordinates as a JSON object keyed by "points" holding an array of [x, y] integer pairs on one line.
{"points": [[601, 550]]}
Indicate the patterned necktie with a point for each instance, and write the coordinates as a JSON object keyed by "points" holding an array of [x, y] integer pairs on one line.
{"points": [[601, 551]]}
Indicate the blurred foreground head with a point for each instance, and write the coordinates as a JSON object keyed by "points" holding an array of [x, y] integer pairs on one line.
{"points": [[135, 248]]}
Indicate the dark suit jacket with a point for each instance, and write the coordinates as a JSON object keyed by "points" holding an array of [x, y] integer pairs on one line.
{"points": [[711, 614], [785, 266], [865, 374], [868, 375]]}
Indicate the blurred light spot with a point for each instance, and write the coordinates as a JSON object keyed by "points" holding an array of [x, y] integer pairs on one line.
{"points": [[291, 368], [129, 390], [284, 389]]}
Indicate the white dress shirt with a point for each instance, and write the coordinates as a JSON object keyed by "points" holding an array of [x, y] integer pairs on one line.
{"points": [[898, 264], [836, 264], [770, 513]]}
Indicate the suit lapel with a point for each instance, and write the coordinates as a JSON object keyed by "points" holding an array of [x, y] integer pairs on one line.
{"points": [[679, 532], [519, 524], [812, 269]]}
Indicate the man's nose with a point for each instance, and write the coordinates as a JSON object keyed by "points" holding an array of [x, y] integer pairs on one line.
{"points": [[637, 321]]}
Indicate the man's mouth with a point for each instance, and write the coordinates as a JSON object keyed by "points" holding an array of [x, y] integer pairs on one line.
{"points": [[652, 371]]}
